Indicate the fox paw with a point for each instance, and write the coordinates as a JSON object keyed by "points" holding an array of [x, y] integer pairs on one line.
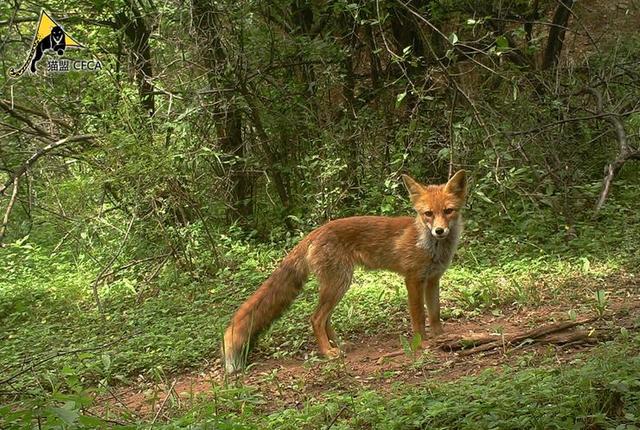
{"points": [[332, 353]]}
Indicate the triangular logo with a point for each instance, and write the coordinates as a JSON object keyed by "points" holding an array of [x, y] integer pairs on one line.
{"points": [[49, 37], [46, 24]]}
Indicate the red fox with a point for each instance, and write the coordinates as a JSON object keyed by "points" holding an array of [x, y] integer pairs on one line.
{"points": [[419, 248]]}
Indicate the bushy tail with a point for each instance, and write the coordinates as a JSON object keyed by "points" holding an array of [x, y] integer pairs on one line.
{"points": [[265, 305]]}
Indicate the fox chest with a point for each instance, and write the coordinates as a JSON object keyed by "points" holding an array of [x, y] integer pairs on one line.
{"points": [[437, 258]]}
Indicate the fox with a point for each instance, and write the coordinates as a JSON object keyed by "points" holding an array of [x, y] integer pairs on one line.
{"points": [[420, 248]]}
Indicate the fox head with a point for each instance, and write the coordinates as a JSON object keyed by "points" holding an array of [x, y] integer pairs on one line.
{"points": [[438, 206]]}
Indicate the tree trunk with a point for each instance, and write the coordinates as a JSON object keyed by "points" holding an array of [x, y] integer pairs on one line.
{"points": [[137, 33], [556, 34], [226, 116]]}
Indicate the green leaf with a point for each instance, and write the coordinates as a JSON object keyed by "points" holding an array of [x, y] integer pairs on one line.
{"points": [[106, 361], [586, 265], [502, 43], [453, 38], [601, 297], [66, 414], [443, 154], [483, 197], [400, 97], [416, 341], [405, 345], [92, 422]]}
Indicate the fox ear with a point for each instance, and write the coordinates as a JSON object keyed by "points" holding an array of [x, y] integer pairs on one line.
{"points": [[413, 187], [457, 185]]}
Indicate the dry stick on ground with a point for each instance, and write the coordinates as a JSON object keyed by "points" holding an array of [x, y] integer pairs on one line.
{"points": [[481, 342], [486, 343], [580, 336], [173, 384], [117, 399], [531, 334], [458, 344], [333, 421]]}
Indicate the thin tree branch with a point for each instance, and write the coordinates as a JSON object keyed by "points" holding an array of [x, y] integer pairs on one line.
{"points": [[625, 153], [32, 366], [14, 106], [155, 418], [39, 153], [11, 111], [94, 286], [5, 220], [564, 121]]}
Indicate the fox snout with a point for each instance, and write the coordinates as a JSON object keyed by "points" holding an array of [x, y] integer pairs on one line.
{"points": [[440, 232]]}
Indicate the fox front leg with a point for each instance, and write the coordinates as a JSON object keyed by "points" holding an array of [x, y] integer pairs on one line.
{"points": [[416, 305], [432, 299]]}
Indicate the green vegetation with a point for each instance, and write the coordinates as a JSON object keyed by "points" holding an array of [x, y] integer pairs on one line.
{"points": [[140, 205], [53, 319]]}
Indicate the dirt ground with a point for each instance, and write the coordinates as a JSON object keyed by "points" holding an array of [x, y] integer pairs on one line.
{"points": [[290, 382]]}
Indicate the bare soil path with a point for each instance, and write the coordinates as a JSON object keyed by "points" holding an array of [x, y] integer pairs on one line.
{"points": [[290, 382]]}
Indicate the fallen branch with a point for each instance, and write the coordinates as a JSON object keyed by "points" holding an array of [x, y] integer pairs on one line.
{"points": [[580, 336], [458, 344], [155, 418], [531, 334]]}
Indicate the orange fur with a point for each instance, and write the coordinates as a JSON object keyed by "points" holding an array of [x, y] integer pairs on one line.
{"points": [[419, 248]]}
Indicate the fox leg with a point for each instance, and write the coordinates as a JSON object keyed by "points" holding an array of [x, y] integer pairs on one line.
{"points": [[331, 333], [333, 285], [432, 298], [415, 287]]}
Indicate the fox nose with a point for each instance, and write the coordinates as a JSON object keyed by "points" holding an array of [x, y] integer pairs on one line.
{"points": [[440, 232]]}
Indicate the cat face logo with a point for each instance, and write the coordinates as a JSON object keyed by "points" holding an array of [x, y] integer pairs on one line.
{"points": [[51, 38]]}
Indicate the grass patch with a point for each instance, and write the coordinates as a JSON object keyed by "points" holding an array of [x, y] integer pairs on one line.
{"points": [[54, 342], [180, 322]]}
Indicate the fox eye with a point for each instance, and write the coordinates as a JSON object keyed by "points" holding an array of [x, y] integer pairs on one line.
{"points": [[428, 214], [448, 211]]}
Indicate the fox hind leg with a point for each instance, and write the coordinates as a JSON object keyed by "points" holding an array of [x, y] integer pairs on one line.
{"points": [[333, 285]]}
